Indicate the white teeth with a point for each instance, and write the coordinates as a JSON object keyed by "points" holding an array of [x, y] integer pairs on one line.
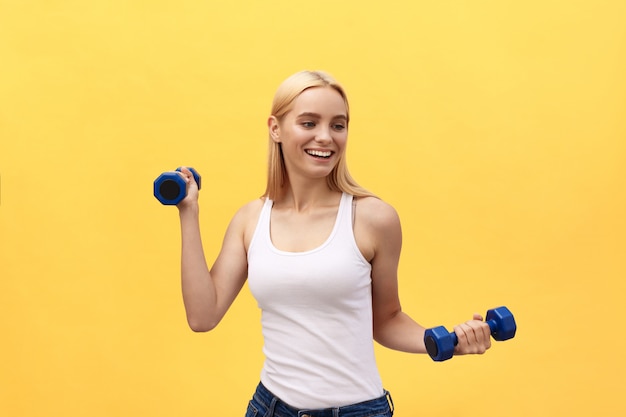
{"points": [[321, 154]]}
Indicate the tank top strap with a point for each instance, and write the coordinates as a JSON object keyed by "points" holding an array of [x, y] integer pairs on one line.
{"points": [[262, 229], [345, 213]]}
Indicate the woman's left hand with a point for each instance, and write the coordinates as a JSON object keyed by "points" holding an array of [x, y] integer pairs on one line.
{"points": [[474, 337]]}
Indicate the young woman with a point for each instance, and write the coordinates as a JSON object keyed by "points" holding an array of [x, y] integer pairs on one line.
{"points": [[321, 256]]}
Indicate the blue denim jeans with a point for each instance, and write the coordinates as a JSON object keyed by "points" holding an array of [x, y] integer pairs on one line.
{"points": [[266, 404]]}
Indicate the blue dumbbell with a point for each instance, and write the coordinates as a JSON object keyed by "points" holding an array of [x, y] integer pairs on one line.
{"points": [[440, 343], [170, 188]]}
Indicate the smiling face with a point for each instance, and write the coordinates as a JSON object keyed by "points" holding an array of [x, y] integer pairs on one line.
{"points": [[313, 134]]}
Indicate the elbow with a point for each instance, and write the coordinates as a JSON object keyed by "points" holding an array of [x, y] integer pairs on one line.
{"points": [[201, 326], [200, 329]]}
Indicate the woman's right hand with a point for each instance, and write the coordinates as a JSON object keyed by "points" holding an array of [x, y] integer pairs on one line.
{"points": [[191, 197]]}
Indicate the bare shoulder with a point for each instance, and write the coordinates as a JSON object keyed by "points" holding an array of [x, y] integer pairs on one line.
{"points": [[376, 227], [376, 213], [250, 209], [246, 218]]}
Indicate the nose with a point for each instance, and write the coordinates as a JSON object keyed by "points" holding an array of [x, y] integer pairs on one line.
{"points": [[323, 135]]}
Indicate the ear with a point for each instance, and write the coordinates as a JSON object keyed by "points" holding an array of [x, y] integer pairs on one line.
{"points": [[274, 128]]}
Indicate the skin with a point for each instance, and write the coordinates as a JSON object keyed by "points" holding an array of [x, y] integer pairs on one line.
{"points": [[302, 218]]}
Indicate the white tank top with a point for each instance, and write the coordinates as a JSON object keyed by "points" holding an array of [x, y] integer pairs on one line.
{"points": [[316, 317]]}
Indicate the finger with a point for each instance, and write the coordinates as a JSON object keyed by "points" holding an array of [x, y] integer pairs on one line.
{"points": [[187, 176], [482, 331], [485, 331], [472, 338], [486, 335], [482, 335], [185, 172], [463, 335]]}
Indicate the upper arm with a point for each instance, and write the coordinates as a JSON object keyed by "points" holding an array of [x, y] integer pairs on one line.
{"points": [[230, 269], [379, 232]]}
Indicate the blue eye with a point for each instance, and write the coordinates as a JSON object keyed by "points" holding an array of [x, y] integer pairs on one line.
{"points": [[308, 124], [339, 127]]}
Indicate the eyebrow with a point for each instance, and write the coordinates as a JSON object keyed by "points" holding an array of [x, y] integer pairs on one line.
{"points": [[311, 114]]}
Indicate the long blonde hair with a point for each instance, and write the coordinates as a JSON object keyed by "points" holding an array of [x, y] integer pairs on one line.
{"points": [[339, 179]]}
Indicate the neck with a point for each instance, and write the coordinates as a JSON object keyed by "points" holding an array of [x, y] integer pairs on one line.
{"points": [[302, 197]]}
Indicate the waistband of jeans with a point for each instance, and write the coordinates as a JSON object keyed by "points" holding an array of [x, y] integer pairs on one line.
{"points": [[267, 398]]}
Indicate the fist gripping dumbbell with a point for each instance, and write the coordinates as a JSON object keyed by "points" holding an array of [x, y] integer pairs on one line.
{"points": [[440, 343], [170, 188]]}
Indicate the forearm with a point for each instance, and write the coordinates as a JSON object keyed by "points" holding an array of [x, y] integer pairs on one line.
{"points": [[400, 332], [199, 295]]}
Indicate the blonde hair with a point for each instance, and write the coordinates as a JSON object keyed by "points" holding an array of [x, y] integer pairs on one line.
{"points": [[339, 179]]}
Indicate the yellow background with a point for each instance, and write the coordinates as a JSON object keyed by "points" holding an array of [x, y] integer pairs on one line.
{"points": [[496, 128]]}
